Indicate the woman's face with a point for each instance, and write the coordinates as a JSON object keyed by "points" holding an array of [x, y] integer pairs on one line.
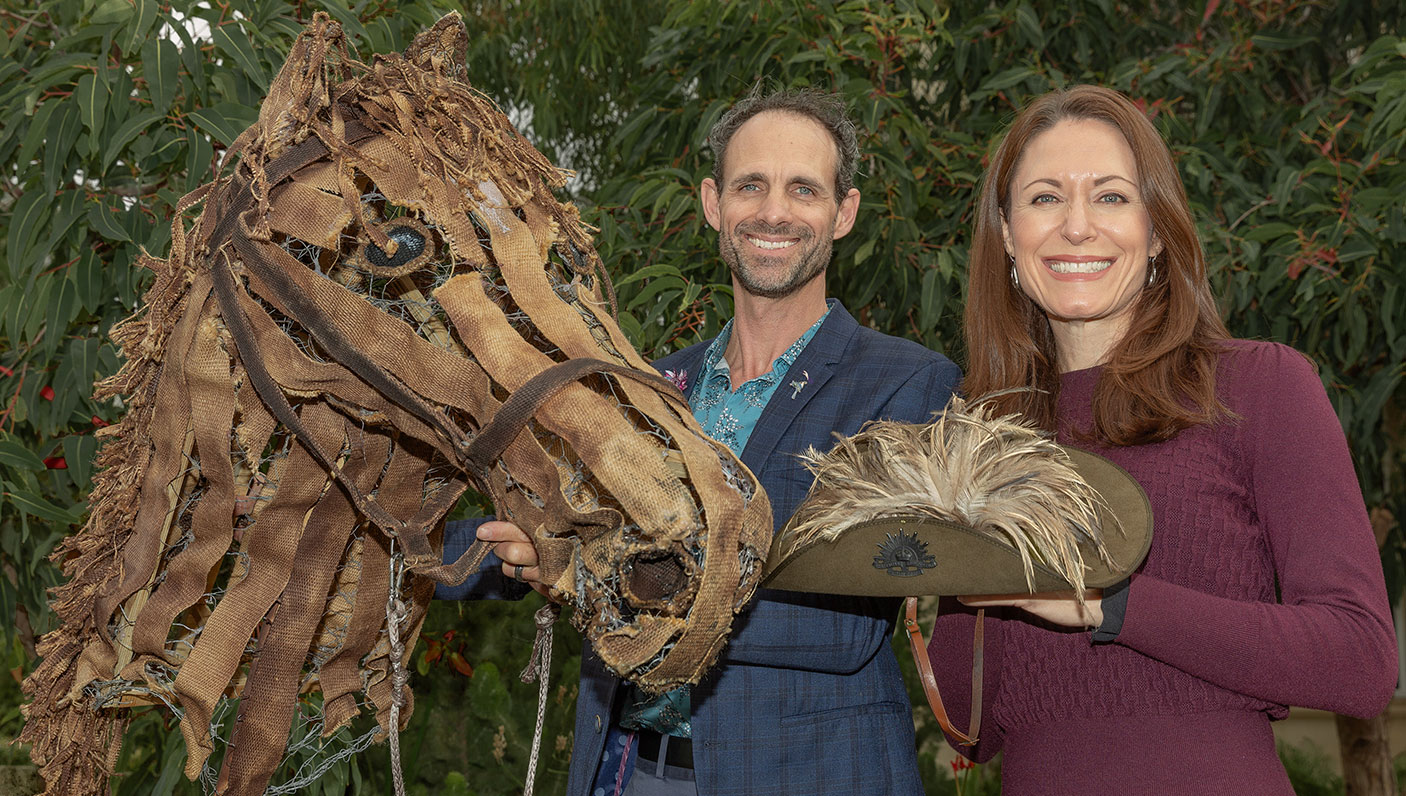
{"points": [[1079, 232]]}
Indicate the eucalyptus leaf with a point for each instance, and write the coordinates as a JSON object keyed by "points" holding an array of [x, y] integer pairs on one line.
{"points": [[129, 130], [26, 223], [862, 253], [70, 207], [231, 40], [110, 11], [200, 156], [63, 305], [161, 61], [88, 278], [83, 356], [13, 454], [36, 130], [214, 123], [92, 96], [11, 300], [105, 220], [78, 451], [36, 506], [63, 128], [648, 272], [142, 19]]}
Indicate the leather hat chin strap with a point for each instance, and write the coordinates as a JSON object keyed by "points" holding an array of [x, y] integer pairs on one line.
{"points": [[920, 657]]}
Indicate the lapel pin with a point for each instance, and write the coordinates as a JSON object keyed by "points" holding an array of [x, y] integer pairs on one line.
{"points": [[800, 384]]}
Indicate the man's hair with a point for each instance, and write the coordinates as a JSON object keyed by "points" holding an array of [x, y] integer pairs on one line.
{"points": [[828, 110]]}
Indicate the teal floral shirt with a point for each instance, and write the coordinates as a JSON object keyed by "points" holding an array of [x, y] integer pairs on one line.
{"points": [[727, 416]]}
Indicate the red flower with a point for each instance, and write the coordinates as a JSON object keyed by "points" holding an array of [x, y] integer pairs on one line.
{"points": [[47, 393], [98, 422], [56, 463]]}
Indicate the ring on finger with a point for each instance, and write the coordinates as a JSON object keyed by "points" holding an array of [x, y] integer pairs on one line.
{"points": [[517, 572]]}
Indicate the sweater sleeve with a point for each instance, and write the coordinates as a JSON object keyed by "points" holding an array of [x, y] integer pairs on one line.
{"points": [[1329, 642]]}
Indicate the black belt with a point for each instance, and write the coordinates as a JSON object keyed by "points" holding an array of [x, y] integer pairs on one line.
{"points": [[679, 752]]}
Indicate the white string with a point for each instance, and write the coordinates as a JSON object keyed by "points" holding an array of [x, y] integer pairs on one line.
{"points": [[539, 668], [397, 612]]}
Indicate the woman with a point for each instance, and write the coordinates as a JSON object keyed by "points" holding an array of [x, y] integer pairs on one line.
{"points": [[1087, 282]]}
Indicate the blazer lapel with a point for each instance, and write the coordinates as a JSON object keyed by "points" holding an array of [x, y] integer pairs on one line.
{"points": [[814, 367]]}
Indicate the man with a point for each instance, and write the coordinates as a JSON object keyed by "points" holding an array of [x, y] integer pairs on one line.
{"points": [[806, 697]]}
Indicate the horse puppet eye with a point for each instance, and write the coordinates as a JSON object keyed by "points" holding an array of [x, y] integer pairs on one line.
{"points": [[409, 245], [412, 250]]}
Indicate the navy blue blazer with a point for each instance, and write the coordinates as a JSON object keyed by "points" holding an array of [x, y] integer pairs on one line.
{"points": [[807, 697]]}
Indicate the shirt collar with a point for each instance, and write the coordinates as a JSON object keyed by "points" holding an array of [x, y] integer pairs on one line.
{"points": [[715, 364]]}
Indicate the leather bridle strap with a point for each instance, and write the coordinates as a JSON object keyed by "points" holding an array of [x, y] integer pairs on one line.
{"points": [[517, 411], [925, 675]]}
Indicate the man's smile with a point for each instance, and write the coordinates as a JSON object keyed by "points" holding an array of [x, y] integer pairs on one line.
{"points": [[771, 244]]}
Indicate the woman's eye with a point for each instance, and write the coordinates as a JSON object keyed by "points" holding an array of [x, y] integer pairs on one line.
{"points": [[1044, 199], [1112, 198]]}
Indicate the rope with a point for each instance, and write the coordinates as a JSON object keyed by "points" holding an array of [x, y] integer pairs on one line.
{"points": [[397, 612], [539, 668]]}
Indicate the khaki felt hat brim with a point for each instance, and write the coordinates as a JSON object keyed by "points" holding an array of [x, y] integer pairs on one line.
{"points": [[912, 555]]}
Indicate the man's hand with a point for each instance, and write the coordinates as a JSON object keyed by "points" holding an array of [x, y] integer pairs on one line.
{"points": [[1058, 607], [517, 551]]}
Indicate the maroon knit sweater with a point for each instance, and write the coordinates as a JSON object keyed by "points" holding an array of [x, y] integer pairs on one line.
{"points": [[1181, 702]]}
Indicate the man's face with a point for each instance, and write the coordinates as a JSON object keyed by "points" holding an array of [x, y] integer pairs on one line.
{"points": [[776, 212]]}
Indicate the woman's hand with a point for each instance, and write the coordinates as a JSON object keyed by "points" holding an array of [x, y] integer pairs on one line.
{"points": [[1058, 607], [516, 550]]}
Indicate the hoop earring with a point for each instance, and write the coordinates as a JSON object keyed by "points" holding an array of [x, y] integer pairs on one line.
{"points": [[1151, 270], [1015, 277]]}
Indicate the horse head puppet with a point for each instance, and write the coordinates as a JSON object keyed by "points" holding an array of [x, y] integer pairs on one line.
{"points": [[379, 305]]}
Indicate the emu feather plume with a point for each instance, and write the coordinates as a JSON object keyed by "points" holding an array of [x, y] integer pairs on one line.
{"points": [[993, 478]]}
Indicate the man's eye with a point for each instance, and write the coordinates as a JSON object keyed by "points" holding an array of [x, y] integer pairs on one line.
{"points": [[749, 187], [805, 190]]}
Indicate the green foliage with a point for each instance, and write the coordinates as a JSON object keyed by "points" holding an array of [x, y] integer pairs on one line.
{"points": [[1287, 118], [1310, 771]]}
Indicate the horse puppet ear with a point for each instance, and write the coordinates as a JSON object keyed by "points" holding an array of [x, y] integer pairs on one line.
{"points": [[318, 61], [443, 49]]}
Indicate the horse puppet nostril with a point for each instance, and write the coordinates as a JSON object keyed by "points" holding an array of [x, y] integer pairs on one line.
{"points": [[653, 576]]}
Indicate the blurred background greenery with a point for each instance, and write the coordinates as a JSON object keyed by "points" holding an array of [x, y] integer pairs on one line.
{"points": [[1287, 118]]}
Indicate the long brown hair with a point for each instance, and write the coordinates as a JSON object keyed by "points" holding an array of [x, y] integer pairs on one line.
{"points": [[1160, 377]]}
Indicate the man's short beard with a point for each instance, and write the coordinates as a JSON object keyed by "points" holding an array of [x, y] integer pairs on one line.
{"points": [[812, 264]]}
